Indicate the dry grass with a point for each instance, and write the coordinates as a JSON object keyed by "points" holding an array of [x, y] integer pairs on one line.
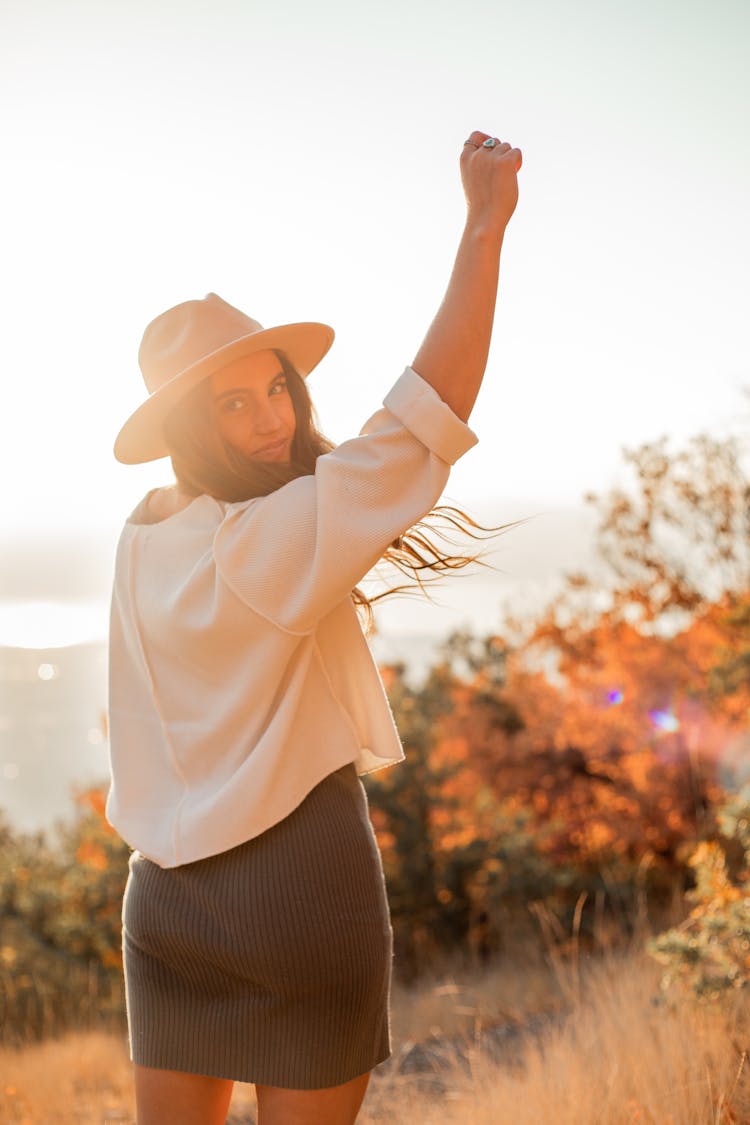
{"points": [[620, 1058], [82, 1078], [616, 1058]]}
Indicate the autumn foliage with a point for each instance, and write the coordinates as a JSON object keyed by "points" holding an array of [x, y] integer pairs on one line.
{"points": [[60, 904]]}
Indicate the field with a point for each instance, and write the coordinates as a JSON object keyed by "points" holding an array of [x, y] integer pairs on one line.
{"points": [[574, 1041]]}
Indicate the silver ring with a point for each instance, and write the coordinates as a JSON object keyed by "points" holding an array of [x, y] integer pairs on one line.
{"points": [[471, 143], [490, 142]]}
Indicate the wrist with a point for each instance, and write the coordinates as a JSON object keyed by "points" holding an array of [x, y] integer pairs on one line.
{"points": [[484, 230]]}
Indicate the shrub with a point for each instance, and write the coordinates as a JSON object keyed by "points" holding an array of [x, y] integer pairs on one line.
{"points": [[709, 953]]}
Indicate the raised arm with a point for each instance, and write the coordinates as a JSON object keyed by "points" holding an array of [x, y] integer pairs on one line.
{"points": [[454, 353], [296, 554]]}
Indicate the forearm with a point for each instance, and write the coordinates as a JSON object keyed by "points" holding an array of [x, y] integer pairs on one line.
{"points": [[454, 353]]}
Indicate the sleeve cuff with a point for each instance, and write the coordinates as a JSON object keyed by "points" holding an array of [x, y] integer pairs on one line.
{"points": [[418, 406]]}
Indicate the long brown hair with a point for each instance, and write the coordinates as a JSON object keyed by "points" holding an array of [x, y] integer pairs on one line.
{"points": [[204, 463]]}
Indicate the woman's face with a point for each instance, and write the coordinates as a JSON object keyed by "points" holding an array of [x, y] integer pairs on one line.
{"points": [[253, 407]]}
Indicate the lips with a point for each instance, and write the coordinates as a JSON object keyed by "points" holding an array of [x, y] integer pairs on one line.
{"points": [[271, 450]]}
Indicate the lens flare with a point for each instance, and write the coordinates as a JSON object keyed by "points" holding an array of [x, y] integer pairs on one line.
{"points": [[664, 720]]}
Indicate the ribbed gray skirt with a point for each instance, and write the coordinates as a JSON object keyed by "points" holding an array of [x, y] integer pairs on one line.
{"points": [[270, 962]]}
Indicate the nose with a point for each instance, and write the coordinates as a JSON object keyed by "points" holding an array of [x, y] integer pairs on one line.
{"points": [[265, 419]]}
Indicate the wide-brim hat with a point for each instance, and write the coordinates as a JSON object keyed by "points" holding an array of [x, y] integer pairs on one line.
{"points": [[190, 342]]}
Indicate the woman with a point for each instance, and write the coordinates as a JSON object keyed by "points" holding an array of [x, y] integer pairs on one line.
{"points": [[244, 701]]}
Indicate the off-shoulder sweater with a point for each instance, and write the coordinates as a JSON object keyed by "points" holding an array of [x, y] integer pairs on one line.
{"points": [[239, 675]]}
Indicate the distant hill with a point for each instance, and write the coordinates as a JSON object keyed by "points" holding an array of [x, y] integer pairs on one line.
{"points": [[52, 735]]}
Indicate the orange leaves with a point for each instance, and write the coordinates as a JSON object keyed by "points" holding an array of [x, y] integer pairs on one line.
{"points": [[615, 759], [92, 854], [93, 799], [112, 958]]}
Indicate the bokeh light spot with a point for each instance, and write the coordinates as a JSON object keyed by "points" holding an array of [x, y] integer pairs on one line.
{"points": [[664, 720]]}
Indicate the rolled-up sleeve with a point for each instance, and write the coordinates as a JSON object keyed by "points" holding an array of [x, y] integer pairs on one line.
{"points": [[418, 406], [294, 555]]}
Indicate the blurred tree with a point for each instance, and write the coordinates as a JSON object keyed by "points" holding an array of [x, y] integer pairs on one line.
{"points": [[673, 544], [60, 904], [612, 760], [403, 802], [709, 953], [683, 539], [650, 656], [729, 673], [432, 845]]}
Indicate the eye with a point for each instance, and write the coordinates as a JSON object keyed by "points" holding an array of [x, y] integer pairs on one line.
{"points": [[233, 405]]}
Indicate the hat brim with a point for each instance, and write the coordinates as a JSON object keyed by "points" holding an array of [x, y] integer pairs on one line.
{"points": [[142, 439]]}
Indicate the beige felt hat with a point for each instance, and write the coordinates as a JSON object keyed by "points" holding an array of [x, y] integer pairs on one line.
{"points": [[193, 340]]}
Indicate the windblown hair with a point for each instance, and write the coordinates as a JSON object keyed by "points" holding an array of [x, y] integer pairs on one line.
{"points": [[204, 463]]}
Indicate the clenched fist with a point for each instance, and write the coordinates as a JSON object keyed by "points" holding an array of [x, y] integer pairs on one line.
{"points": [[490, 180]]}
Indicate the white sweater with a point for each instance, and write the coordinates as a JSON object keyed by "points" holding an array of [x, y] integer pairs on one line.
{"points": [[239, 676]]}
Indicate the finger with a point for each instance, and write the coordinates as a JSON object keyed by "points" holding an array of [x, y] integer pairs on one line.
{"points": [[489, 144], [514, 153], [497, 146], [476, 138]]}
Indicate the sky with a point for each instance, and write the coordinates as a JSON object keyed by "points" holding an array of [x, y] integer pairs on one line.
{"points": [[302, 161]]}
